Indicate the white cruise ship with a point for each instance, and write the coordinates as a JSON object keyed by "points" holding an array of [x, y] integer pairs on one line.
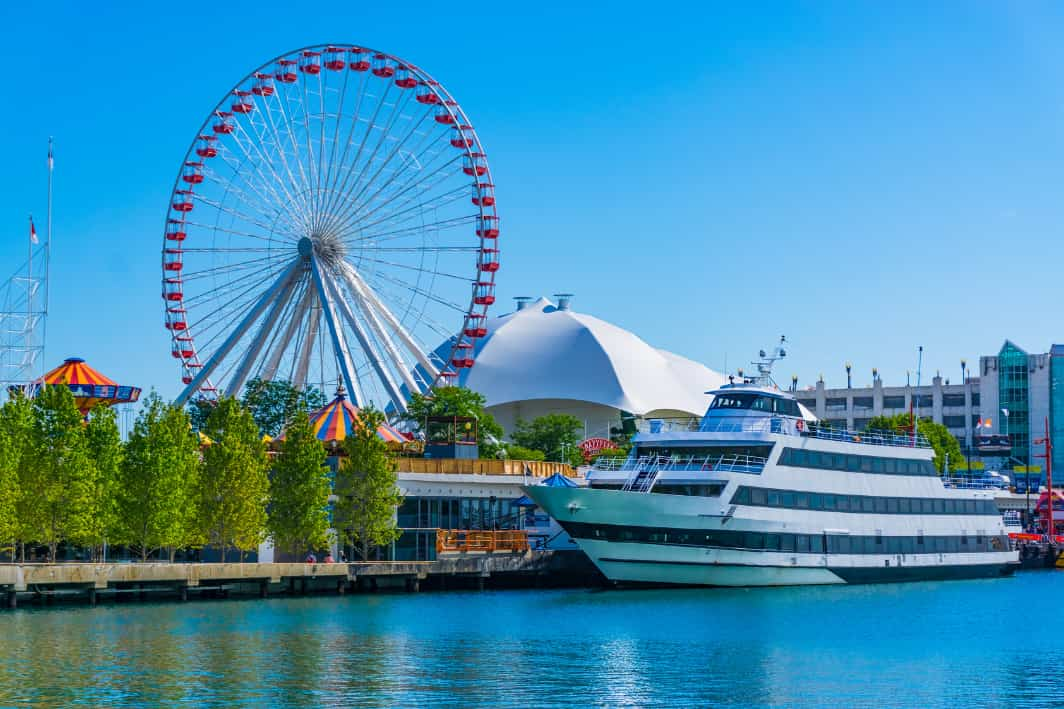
{"points": [[756, 493]]}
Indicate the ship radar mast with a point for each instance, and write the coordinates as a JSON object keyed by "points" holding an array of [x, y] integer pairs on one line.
{"points": [[764, 365]]}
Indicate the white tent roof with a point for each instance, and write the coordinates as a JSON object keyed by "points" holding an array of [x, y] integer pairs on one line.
{"points": [[541, 352]]}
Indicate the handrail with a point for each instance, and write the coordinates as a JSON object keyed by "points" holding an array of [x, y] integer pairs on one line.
{"points": [[514, 541], [781, 425], [679, 463]]}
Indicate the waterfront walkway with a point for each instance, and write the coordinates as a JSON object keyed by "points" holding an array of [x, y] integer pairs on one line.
{"points": [[45, 583]]}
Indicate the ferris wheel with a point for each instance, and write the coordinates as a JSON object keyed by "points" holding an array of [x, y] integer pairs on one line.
{"points": [[334, 219]]}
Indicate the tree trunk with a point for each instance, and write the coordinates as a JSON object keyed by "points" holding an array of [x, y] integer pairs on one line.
{"points": [[143, 553], [173, 552]]}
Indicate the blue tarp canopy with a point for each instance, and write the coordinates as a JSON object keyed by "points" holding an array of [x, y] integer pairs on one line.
{"points": [[558, 480], [523, 501]]}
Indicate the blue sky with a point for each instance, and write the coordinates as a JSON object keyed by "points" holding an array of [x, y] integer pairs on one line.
{"points": [[864, 177]]}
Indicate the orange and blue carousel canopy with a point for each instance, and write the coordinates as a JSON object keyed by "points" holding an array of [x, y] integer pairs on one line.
{"points": [[336, 420], [88, 386]]}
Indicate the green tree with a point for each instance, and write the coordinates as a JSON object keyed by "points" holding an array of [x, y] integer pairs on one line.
{"points": [[235, 484], [456, 401], [298, 517], [61, 474], [274, 403], [517, 452], [943, 442], [366, 488], [557, 435], [197, 411], [14, 431], [158, 481], [16, 420], [106, 450]]}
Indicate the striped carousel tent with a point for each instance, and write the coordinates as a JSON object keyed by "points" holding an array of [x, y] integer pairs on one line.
{"points": [[336, 420], [88, 385]]}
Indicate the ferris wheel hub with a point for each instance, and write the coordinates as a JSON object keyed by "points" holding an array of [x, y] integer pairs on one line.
{"points": [[306, 247]]}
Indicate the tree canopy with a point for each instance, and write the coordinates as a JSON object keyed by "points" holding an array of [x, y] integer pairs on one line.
{"points": [[556, 435], [106, 451], [943, 442], [235, 485], [274, 403], [367, 493], [456, 401], [157, 497], [299, 491]]}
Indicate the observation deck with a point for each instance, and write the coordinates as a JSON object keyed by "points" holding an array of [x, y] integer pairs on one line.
{"points": [[783, 426]]}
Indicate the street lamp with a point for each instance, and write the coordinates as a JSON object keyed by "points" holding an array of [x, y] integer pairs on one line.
{"points": [[849, 382]]}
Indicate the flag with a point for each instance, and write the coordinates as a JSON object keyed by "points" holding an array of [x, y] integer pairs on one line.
{"points": [[33, 231]]}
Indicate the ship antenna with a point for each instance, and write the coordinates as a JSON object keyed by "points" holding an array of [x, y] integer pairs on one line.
{"points": [[765, 361]]}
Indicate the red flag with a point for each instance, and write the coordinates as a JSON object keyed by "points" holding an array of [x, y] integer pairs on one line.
{"points": [[33, 231]]}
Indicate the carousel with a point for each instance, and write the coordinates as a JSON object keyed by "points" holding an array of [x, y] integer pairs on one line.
{"points": [[88, 386], [334, 422]]}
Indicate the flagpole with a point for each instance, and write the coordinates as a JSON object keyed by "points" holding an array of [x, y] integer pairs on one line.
{"points": [[47, 252], [29, 299]]}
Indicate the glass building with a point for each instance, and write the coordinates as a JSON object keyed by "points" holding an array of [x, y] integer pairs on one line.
{"points": [[1056, 405], [1014, 398]]}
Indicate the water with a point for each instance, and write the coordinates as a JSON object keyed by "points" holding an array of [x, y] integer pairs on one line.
{"points": [[974, 643]]}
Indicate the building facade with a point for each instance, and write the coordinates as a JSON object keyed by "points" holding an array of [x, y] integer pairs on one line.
{"points": [[1013, 393]]}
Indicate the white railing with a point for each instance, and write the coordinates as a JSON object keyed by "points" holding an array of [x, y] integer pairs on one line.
{"points": [[781, 425], [654, 465]]}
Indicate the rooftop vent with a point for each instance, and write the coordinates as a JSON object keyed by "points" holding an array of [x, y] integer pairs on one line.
{"points": [[522, 301], [565, 300]]}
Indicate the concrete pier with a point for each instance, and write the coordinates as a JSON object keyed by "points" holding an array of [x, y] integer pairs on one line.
{"points": [[93, 583]]}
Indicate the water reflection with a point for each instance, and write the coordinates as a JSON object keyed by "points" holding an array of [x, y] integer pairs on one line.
{"points": [[921, 644]]}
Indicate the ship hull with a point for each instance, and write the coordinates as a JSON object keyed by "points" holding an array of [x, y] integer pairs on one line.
{"points": [[600, 522]]}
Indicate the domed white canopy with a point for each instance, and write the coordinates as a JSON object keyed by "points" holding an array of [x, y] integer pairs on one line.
{"points": [[542, 351]]}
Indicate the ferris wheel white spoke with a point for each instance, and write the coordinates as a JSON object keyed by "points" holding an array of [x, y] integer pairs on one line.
{"points": [[287, 315], [214, 325], [434, 227], [250, 318], [288, 200], [358, 154], [408, 267], [299, 314], [343, 354], [416, 203], [347, 203], [232, 212], [223, 292], [367, 294], [366, 304], [282, 150], [412, 190], [251, 203], [235, 232], [237, 379], [241, 266], [368, 347], [306, 349], [354, 199], [415, 210], [284, 103], [285, 201], [347, 144]]}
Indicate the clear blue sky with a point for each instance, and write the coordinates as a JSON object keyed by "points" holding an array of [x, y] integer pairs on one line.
{"points": [[862, 176]]}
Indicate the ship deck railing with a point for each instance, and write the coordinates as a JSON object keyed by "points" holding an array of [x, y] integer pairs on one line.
{"points": [[785, 426], [690, 463]]}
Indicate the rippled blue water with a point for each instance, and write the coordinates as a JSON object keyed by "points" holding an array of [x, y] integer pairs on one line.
{"points": [[974, 643]]}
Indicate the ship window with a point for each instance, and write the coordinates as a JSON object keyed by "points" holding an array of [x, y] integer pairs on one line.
{"points": [[755, 540], [829, 502], [772, 542], [892, 505], [843, 544], [904, 505], [879, 538], [773, 499], [787, 498], [843, 503], [866, 464], [919, 539], [801, 501], [757, 496], [853, 463], [803, 543], [881, 504], [867, 504]]}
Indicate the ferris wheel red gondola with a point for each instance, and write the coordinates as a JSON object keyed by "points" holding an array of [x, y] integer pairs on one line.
{"points": [[333, 218]]}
